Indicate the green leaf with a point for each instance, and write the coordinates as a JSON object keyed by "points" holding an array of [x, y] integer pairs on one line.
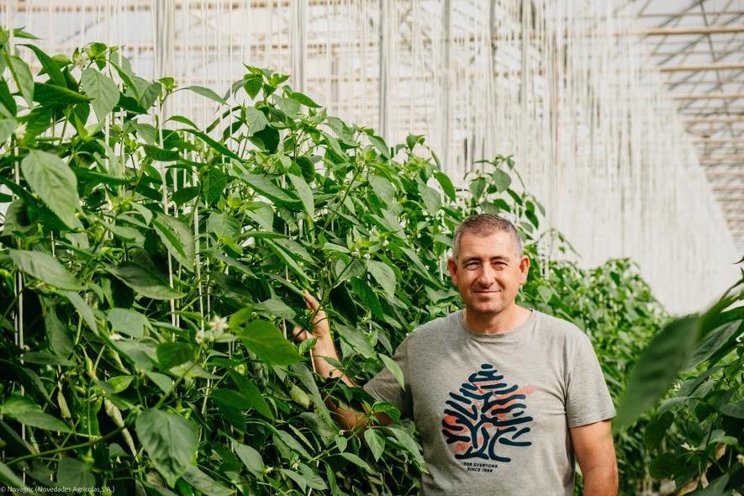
{"points": [[255, 119], [177, 238], [123, 68], [162, 381], [55, 183], [143, 281], [83, 309], [149, 92], [44, 267], [657, 429], [171, 354], [206, 92], [252, 394], [381, 146], [217, 146], [288, 106], [395, 369], [10, 479], [170, 440], [303, 99], [250, 457], [430, 196], [60, 341], [357, 461], [45, 358], [204, 483], [74, 473], [51, 95], [128, 321], [223, 226], [292, 443], [49, 65], [231, 398], [657, 368], [383, 188], [267, 342], [102, 89], [715, 488], [734, 409], [409, 444], [268, 189], [6, 99], [384, 275], [29, 413], [375, 442], [276, 308], [446, 184], [305, 194], [312, 479], [23, 78], [160, 154], [367, 296], [501, 180], [714, 343], [7, 128]]}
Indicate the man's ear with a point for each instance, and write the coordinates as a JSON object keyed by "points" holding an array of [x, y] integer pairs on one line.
{"points": [[524, 267], [452, 266]]}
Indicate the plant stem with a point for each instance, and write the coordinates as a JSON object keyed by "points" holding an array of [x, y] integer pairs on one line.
{"points": [[67, 448]]}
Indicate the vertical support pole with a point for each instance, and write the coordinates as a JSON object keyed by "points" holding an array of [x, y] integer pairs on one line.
{"points": [[385, 41], [298, 40], [445, 85]]}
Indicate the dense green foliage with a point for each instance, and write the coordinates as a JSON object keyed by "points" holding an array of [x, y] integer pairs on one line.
{"points": [[697, 432], [150, 270]]}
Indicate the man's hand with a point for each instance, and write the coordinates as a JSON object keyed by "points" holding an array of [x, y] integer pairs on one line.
{"points": [[348, 418], [324, 347], [321, 328]]}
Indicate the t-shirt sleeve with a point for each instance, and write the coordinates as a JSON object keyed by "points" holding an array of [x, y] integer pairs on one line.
{"points": [[587, 398], [385, 387]]}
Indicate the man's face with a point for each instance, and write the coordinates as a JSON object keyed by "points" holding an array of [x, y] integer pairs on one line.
{"points": [[487, 272]]}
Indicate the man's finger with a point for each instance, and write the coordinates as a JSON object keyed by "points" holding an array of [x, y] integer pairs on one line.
{"points": [[311, 302], [299, 333]]}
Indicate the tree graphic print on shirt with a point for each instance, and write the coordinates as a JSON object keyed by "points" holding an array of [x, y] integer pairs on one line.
{"points": [[485, 414]]}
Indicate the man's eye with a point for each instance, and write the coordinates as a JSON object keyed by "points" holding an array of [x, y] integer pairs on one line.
{"points": [[471, 265]]}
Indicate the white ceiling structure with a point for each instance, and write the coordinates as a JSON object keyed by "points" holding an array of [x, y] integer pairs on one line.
{"points": [[699, 47]]}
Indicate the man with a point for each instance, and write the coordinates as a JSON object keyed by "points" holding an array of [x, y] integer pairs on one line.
{"points": [[502, 396]]}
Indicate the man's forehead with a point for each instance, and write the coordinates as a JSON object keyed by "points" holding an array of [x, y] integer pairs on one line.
{"points": [[498, 242]]}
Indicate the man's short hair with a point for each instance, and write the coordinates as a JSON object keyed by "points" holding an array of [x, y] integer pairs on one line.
{"points": [[484, 225]]}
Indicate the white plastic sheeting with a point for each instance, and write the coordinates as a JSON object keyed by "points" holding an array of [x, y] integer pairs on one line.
{"points": [[563, 85]]}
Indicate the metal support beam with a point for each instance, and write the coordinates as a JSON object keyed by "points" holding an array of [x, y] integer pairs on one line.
{"points": [[706, 96], [713, 119], [710, 141], [731, 28], [721, 66], [722, 158], [724, 174]]}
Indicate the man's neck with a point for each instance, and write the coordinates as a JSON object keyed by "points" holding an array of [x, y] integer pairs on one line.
{"points": [[505, 321]]}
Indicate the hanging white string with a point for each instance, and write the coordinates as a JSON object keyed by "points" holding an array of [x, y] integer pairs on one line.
{"points": [[563, 84]]}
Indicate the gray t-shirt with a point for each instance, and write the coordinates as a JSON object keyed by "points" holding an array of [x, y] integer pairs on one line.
{"points": [[494, 411]]}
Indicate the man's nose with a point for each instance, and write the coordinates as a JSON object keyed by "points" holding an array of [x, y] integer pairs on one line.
{"points": [[486, 276]]}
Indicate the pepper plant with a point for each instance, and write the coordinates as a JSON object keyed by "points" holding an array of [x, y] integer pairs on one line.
{"points": [[696, 366], [150, 270]]}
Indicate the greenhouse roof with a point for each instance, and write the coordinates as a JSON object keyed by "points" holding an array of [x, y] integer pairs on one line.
{"points": [[699, 47]]}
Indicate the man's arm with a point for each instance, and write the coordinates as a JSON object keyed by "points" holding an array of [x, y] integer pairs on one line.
{"points": [[348, 418], [595, 451]]}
